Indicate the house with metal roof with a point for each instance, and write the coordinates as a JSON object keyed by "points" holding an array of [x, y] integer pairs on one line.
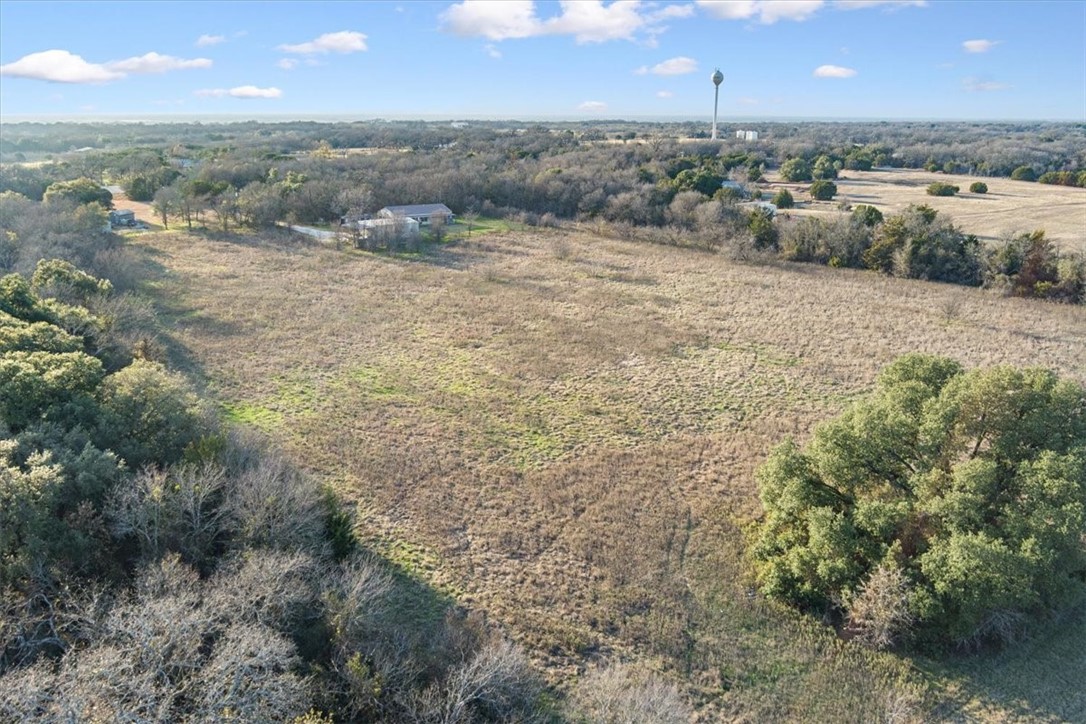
{"points": [[421, 213]]}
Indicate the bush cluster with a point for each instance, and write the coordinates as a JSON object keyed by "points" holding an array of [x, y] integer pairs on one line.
{"points": [[949, 506], [941, 189]]}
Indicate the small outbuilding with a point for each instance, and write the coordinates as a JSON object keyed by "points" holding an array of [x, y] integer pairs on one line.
{"points": [[122, 217], [422, 213], [387, 229]]}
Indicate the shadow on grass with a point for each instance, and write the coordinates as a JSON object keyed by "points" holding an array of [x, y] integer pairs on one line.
{"points": [[429, 622], [1038, 679]]}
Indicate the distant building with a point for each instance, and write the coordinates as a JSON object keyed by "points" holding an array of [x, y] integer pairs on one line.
{"points": [[771, 209], [747, 135], [422, 213], [388, 228]]}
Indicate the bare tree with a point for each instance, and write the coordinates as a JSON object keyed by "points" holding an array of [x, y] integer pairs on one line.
{"points": [[167, 199], [438, 227], [248, 677], [616, 695], [470, 218], [879, 614]]}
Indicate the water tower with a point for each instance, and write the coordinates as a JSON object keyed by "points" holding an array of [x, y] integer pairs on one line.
{"points": [[717, 78]]}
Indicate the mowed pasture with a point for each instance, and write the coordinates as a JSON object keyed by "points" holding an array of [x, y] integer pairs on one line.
{"points": [[560, 431], [1009, 207]]}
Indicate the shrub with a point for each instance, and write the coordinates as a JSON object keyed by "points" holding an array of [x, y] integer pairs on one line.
{"points": [[783, 199], [822, 190], [973, 483], [941, 189], [838, 241], [1030, 266], [978, 187], [1024, 173], [1059, 178], [920, 244]]}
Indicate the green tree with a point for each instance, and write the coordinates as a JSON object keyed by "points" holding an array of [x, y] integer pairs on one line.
{"points": [[763, 231], [972, 483], [859, 161], [783, 199], [867, 215], [1024, 173], [149, 415], [79, 191], [823, 190], [978, 187], [796, 169], [824, 168]]}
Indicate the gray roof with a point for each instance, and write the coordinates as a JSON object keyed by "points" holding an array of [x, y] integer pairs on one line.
{"points": [[418, 209]]}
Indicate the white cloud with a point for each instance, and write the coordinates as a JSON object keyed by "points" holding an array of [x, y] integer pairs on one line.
{"points": [[60, 66], [671, 11], [730, 9], [244, 91], [588, 21], [979, 46], [767, 11], [976, 85], [833, 71], [492, 51], [664, 94], [156, 63], [745, 101], [798, 10], [205, 40], [287, 63], [593, 106], [345, 41], [672, 66], [888, 4], [493, 20]]}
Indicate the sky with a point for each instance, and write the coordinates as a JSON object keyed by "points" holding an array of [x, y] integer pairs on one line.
{"points": [[818, 59]]}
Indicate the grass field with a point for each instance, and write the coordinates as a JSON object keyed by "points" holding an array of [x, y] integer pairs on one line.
{"points": [[1009, 207], [560, 431]]}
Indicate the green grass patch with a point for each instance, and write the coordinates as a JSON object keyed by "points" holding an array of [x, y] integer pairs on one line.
{"points": [[247, 413]]}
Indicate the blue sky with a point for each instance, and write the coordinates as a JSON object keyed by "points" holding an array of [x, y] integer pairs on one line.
{"points": [[523, 59]]}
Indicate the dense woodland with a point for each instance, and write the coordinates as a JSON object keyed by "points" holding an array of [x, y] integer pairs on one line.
{"points": [[155, 564]]}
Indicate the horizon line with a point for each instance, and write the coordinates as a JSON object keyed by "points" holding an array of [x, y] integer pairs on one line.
{"points": [[338, 117]]}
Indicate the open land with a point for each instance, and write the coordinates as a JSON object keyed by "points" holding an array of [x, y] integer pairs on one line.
{"points": [[1009, 207], [560, 430]]}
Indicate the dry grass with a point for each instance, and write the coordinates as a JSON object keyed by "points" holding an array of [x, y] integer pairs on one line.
{"points": [[1009, 207], [566, 441]]}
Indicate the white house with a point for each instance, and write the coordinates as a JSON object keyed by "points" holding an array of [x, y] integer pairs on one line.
{"points": [[422, 213]]}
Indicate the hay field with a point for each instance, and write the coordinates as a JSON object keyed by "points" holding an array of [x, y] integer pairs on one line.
{"points": [[1008, 207], [560, 430]]}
